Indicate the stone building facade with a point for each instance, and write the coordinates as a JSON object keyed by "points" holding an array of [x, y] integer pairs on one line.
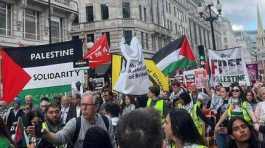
{"points": [[25, 22], [154, 22]]}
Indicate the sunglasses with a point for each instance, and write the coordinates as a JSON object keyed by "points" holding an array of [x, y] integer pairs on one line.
{"points": [[235, 90]]}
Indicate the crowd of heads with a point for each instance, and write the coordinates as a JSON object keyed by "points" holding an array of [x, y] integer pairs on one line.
{"points": [[138, 126]]}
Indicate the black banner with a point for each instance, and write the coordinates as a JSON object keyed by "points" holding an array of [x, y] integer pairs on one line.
{"points": [[34, 56]]}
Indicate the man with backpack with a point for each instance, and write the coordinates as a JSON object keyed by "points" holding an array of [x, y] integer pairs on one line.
{"points": [[74, 131]]}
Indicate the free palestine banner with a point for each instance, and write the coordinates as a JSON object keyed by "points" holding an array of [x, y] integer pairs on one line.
{"points": [[228, 66], [51, 67]]}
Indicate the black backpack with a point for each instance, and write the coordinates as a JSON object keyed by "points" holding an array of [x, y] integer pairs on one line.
{"points": [[78, 126]]}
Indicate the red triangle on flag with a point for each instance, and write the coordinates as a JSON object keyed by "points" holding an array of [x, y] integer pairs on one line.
{"points": [[186, 50], [99, 53], [14, 78]]}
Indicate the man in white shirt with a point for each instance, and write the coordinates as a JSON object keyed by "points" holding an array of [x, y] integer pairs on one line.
{"points": [[65, 106]]}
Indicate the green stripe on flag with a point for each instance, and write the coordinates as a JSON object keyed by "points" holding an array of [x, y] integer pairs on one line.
{"points": [[180, 64], [49, 92]]}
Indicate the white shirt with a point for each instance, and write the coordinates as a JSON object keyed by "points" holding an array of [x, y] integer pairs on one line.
{"points": [[64, 112], [78, 111], [260, 112]]}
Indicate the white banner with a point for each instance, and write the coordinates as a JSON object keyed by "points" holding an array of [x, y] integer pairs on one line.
{"points": [[228, 66], [133, 77], [53, 75]]}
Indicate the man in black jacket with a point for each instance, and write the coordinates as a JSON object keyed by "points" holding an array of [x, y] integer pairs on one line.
{"points": [[13, 114]]}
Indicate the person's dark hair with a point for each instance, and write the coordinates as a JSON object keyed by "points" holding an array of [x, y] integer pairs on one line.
{"points": [[4, 131], [131, 98], [140, 128], [241, 96], [77, 96], [253, 142], [57, 100], [155, 90], [44, 99], [176, 83], [113, 109], [184, 128], [109, 91], [185, 97], [252, 94], [97, 137], [78, 85], [52, 105]]}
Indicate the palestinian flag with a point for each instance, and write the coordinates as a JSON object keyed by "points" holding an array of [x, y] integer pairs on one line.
{"points": [[14, 77], [21, 138], [176, 55]]}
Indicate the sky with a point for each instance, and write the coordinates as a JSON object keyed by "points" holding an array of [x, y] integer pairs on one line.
{"points": [[242, 13]]}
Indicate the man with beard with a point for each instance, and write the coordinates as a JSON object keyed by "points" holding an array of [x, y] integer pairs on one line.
{"points": [[52, 123]]}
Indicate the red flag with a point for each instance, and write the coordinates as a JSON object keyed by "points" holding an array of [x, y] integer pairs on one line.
{"points": [[186, 50], [99, 53], [14, 78]]}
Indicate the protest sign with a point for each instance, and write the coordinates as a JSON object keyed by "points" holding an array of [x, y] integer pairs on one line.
{"points": [[133, 78], [228, 66], [50, 67], [189, 77], [201, 78]]}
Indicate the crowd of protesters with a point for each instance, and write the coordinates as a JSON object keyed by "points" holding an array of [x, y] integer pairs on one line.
{"points": [[223, 117]]}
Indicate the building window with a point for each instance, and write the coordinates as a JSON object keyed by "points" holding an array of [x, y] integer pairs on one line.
{"points": [[140, 12], [142, 39], [175, 13], [90, 38], [158, 13], [89, 14], [151, 12], [5, 17], [200, 35], [76, 20], [145, 14], [166, 7], [56, 29], [31, 24], [225, 39], [104, 11], [128, 36], [146, 41], [169, 8], [76, 37], [126, 9], [153, 42], [108, 36], [195, 33]]}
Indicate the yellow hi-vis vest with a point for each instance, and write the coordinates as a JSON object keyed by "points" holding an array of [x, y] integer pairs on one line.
{"points": [[159, 106], [199, 123], [44, 125], [245, 113]]}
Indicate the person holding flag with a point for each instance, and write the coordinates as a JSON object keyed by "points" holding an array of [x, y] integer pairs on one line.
{"points": [[20, 137]]}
